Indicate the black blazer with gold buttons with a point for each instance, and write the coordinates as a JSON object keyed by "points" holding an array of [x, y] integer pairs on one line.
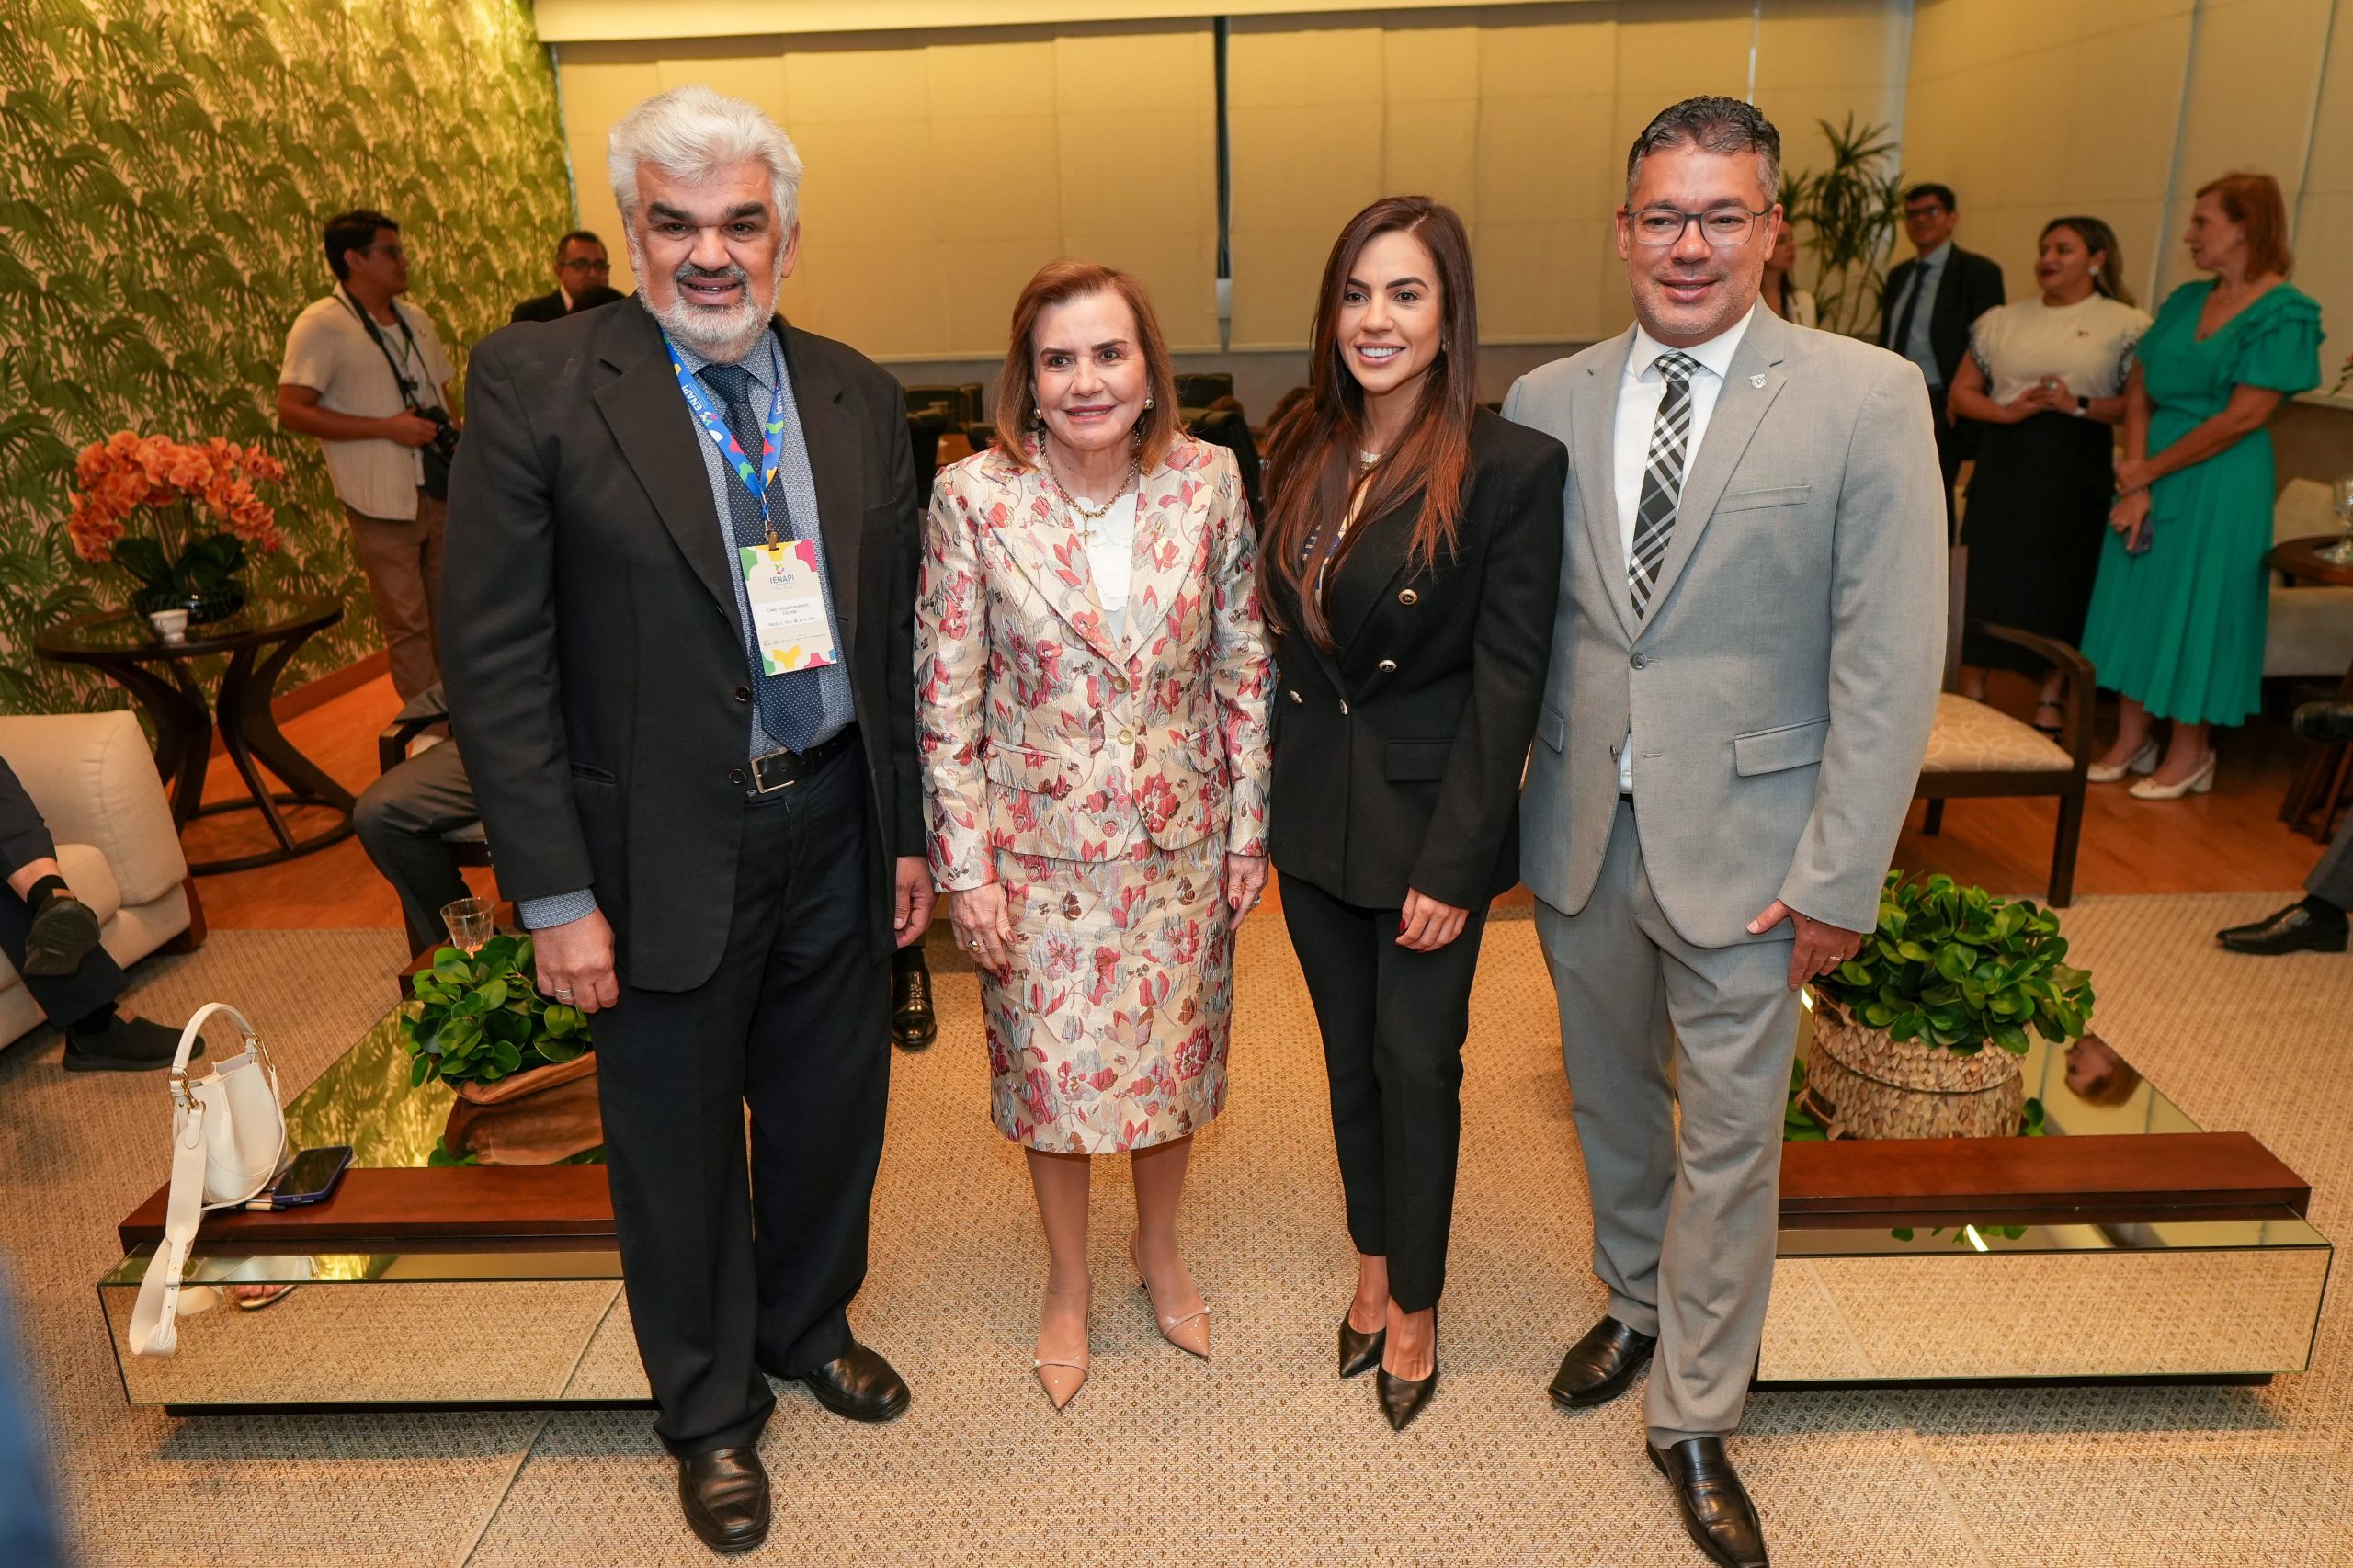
{"points": [[1398, 753]]}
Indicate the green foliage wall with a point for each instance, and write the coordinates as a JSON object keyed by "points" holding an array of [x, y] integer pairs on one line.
{"points": [[165, 167]]}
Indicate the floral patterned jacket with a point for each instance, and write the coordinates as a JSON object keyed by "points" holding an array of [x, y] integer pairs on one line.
{"points": [[1039, 735]]}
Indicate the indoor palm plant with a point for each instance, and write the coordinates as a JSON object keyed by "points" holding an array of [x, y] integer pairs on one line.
{"points": [[1919, 1034], [200, 510], [1848, 210], [480, 1021]]}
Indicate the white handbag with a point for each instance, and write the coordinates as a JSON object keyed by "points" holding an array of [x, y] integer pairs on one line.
{"points": [[228, 1145]]}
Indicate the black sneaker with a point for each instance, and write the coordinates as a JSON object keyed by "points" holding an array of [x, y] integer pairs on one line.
{"points": [[64, 931], [125, 1045]]}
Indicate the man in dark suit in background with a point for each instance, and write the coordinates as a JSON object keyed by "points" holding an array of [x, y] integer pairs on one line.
{"points": [[1928, 306], [580, 264], [681, 666]]}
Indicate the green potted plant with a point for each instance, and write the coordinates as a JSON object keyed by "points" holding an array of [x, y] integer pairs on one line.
{"points": [[481, 1025], [1848, 213], [1919, 1034]]}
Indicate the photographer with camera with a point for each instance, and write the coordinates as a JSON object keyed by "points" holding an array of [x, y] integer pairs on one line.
{"points": [[367, 375]]}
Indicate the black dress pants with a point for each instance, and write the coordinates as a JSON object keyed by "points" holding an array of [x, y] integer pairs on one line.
{"points": [[724, 1282], [1393, 1021], [24, 838], [1955, 444]]}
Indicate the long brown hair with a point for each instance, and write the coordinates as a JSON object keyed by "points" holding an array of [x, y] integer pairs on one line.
{"points": [[2253, 202], [2099, 240], [1058, 282], [1314, 455]]}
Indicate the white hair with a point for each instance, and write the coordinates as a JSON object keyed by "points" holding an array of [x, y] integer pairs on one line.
{"points": [[691, 132]]}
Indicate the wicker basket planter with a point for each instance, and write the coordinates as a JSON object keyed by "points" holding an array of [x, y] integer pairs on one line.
{"points": [[1864, 1084]]}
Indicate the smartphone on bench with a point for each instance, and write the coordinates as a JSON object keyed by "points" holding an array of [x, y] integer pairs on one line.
{"points": [[310, 1177]]}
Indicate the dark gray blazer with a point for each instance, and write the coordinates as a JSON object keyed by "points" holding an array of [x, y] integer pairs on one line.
{"points": [[589, 635]]}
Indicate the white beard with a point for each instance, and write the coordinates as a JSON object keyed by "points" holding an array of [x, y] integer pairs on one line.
{"points": [[722, 333]]}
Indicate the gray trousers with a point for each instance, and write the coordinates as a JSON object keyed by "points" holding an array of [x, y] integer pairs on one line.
{"points": [[401, 819], [2332, 880], [1683, 1225]]}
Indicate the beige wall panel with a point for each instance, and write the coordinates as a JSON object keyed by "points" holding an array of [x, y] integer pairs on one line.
{"points": [[755, 78], [1546, 160], [1548, 282], [1116, 71], [2332, 157], [1159, 172], [980, 80], [994, 177], [1178, 270], [979, 281], [1268, 65], [596, 94], [1669, 50], [2325, 270], [1422, 63], [1433, 148], [854, 87], [1303, 167], [1540, 51], [1829, 43], [885, 299], [870, 183], [2126, 101], [1275, 274]]}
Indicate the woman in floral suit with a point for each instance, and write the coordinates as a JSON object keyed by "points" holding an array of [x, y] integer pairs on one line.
{"points": [[1093, 682]]}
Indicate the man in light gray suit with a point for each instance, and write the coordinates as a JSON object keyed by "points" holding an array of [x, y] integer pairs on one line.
{"points": [[1743, 675]]}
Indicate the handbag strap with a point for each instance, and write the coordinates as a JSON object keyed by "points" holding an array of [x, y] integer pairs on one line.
{"points": [[154, 1317]]}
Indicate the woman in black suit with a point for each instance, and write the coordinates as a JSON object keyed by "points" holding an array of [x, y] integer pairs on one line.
{"points": [[1410, 566]]}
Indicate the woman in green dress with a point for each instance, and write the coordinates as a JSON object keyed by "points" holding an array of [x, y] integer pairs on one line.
{"points": [[2177, 619]]}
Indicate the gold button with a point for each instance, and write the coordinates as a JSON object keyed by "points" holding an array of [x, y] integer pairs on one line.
{"points": [[1127, 737], [1297, 697], [1408, 597], [1387, 666]]}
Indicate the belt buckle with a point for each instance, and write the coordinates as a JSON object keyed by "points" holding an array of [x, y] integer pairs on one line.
{"points": [[759, 778]]}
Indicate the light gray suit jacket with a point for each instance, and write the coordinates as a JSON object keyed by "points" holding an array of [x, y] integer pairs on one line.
{"points": [[1782, 686]]}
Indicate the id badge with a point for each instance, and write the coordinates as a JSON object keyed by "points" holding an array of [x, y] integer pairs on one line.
{"points": [[788, 606]]}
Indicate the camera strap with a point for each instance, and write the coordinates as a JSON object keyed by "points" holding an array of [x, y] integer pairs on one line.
{"points": [[376, 336]]}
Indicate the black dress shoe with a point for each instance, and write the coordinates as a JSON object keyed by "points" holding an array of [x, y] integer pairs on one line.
{"points": [[1599, 1367], [2329, 723], [122, 1045], [1716, 1510], [860, 1385], [1359, 1352], [65, 932], [2295, 929], [725, 1496], [912, 1024]]}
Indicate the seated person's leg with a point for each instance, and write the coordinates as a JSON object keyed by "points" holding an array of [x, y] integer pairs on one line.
{"points": [[400, 820], [2319, 923], [63, 930]]}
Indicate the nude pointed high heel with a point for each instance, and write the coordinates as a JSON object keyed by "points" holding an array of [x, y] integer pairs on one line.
{"points": [[1189, 1331], [1059, 1378]]}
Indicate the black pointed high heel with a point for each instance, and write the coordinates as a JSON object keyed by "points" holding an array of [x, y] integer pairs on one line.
{"points": [[1402, 1398], [1359, 1353]]}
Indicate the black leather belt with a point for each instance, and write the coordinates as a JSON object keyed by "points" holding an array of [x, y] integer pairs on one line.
{"points": [[782, 770]]}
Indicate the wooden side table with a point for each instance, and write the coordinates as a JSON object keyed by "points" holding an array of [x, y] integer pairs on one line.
{"points": [[2319, 787], [259, 642]]}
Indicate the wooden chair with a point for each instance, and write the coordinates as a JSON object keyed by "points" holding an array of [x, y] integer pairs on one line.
{"points": [[1978, 750]]}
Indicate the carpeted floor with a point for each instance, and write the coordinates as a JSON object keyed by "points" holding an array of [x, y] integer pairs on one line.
{"points": [[1261, 1456]]}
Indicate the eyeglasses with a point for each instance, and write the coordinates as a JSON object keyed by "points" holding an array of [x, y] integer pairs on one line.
{"points": [[396, 252], [586, 264], [1724, 226]]}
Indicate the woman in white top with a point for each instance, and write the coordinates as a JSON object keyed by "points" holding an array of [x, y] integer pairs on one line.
{"points": [[1782, 295], [2045, 377], [1092, 683]]}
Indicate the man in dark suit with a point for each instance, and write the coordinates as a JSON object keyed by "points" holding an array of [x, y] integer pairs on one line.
{"points": [[580, 264], [1928, 306], [681, 659]]}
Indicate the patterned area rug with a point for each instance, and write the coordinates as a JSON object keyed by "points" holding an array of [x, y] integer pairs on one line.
{"points": [[1259, 1456]]}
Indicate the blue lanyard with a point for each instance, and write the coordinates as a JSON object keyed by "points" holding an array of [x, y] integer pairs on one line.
{"points": [[715, 426]]}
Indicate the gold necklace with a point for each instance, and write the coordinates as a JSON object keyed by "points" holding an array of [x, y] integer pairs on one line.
{"points": [[1095, 514]]}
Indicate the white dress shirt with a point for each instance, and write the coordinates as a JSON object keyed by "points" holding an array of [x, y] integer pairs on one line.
{"points": [[1640, 393], [1110, 559]]}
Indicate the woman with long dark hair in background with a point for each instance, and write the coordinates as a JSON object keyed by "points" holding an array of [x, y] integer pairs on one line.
{"points": [[1410, 567]]}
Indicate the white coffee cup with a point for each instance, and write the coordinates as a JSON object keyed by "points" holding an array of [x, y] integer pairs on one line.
{"points": [[171, 625]]}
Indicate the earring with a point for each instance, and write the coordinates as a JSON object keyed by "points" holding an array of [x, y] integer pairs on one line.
{"points": [[1037, 415], [1147, 406]]}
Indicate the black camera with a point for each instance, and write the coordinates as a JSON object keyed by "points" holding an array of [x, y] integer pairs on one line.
{"points": [[445, 433]]}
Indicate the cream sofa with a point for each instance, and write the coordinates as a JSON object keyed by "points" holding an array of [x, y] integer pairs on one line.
{"points": [[2311, 628], [95, 781]]}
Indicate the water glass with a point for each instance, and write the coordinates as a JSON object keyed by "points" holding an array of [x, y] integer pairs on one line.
{"points": [[469, 923], [2341, 552]]}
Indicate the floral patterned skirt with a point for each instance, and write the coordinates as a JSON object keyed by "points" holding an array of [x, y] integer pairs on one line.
{"points": [[1108, 1033]]}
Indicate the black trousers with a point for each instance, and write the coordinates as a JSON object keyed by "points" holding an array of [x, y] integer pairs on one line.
{"points": [[401, 819], [725, 1283], [24, 838], [1393, 1022], [1954, 443]]}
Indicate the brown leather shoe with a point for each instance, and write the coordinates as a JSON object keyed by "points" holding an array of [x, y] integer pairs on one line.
{"points": [[859, 1384], [1716, 1511], [1599, 1367], [725, 1496]]}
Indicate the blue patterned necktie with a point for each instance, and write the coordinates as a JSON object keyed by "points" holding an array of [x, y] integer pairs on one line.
{"points": [[791, 704], [1662, 479]]}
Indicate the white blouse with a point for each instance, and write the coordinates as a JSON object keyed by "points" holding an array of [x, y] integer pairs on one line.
{"points": [[1110, 559], [2088, 344]]}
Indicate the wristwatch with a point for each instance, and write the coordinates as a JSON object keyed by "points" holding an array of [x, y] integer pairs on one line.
{"points": [[2082, 407]]}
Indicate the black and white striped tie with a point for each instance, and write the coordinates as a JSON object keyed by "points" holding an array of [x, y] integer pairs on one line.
{"points": [[1661, 478]]}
